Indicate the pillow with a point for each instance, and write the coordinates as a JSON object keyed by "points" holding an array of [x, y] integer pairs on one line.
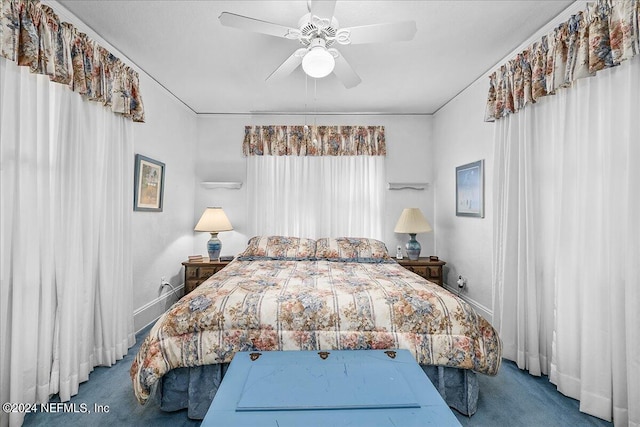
{"points": [[353, 249], [279, 247]]}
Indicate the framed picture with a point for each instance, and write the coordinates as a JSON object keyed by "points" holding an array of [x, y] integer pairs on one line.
{"points": [[149, 184], [470, 189]]}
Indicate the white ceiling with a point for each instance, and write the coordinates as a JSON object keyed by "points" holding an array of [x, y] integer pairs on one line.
{"points": [[216, 69]]}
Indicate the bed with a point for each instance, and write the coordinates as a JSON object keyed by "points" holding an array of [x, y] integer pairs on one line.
{"points": [[289, 293]]}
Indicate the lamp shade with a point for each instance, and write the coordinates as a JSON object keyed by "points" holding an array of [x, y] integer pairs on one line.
{"points": [[412, 221], [318, 62], [213, 220]]}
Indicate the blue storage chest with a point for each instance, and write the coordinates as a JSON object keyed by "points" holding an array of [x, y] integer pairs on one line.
{"points": [[332, 388]]}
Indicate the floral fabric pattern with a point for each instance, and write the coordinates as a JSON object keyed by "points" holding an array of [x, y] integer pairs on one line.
{"points": [[315, 305], [353, 249], [602, 36], [314, 141], [279, 247], [32, 35]]}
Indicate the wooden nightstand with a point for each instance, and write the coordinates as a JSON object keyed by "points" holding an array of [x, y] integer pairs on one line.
{"points": [[197, 272], [423, 266]]}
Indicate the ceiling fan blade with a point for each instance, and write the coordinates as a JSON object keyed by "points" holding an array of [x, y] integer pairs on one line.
{"points": [[287, 67], [345, 73], [250, 24], [381, 33], [323, 8]]}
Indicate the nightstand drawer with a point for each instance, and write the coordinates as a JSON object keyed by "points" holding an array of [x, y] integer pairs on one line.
{"points": [[421, 271], [200, 272], [434, 273], [206, 272], [197, 272], [425, 267]]}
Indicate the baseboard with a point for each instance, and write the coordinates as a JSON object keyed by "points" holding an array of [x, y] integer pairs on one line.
{"points": [[479, 308], [151, 311]]}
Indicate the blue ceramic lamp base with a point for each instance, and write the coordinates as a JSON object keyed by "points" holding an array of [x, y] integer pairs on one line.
{"points": [[214, 246], [413, 247]]}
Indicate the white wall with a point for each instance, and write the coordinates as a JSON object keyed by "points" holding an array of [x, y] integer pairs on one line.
{"points": [[162, 240], [461, 136], [219, 158]]}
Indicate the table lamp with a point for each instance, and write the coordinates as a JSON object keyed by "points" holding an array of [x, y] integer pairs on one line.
{"points": [[412, 221], [214, 220]]}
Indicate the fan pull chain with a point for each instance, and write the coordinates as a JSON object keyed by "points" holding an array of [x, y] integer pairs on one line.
{"points": [[306, 98], [315, 109]]}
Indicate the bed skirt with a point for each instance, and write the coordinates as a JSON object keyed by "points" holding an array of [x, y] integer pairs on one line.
{"points": [[194, 388]]}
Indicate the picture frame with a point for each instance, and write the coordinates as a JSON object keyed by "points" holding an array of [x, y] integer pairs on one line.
{"points": [[148, 191], [470, 189]]}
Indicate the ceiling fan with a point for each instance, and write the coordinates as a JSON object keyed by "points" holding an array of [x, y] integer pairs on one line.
{"points": [[318, 31]]}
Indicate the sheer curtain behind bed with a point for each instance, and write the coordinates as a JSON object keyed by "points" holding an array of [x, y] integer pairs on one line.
{"points": [[316, 196]]}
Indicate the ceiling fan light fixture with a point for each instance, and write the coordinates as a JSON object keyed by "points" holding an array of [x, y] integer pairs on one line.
{"points": [[318, 62]]}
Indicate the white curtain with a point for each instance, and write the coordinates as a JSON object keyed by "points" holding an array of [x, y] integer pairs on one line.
{"points": [[65, 247], [567, 241], [316, 196]]}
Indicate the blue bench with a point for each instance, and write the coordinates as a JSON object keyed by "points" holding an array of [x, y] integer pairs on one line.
{"points": [[332, 388]]}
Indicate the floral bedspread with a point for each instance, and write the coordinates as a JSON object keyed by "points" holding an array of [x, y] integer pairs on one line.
{"points": [[315, 305]]}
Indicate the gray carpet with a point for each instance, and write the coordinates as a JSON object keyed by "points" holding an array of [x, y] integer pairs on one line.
{"points": [[512, 398]]}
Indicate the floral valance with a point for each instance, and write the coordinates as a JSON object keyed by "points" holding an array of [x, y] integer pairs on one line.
{"points": [[602, 36], [314, 141], [32, 35]]}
